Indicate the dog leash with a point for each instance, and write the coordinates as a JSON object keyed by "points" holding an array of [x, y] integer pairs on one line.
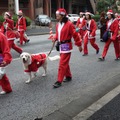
{"points": [[51, 48]]}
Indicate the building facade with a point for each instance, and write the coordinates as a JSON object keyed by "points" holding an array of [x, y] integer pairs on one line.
{"points": [[32, 8]]}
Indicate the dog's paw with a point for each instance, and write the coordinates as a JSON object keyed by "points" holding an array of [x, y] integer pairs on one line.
{"points": [[28, 81], [43, 75]]}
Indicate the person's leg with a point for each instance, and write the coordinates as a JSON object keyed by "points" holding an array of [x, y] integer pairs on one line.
{"points": [[94, 45], [106, 46], [62, 70], [85, 45], [116, 47], [16, 48], [5, 84]]}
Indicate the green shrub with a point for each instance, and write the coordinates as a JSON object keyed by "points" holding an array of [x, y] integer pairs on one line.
{"points": [[14, 17], [1, 19], [96, 17], [28, 21]]}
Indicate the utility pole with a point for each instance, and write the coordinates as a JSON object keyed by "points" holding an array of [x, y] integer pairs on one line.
{"points": [[16, 6]]}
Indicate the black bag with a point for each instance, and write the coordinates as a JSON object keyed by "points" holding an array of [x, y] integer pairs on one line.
{"points": [[106, 36], [57, 46]]}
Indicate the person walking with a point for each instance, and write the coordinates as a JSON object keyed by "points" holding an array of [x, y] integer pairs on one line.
{"points": [[5, 59], [65, 30], [81, 24], [7, 29], [112, 29], [21, 27], [90, 34], [103, 22]]}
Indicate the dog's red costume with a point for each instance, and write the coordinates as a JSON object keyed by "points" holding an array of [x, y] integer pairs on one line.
{"points": [[36, 61]]}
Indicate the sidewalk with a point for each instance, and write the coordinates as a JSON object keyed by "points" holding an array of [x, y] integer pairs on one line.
{"points": [[106, 108], [39, 30]]}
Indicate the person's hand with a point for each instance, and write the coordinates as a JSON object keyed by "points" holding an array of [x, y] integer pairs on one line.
{"points": [[80, 48], [3, 64]]}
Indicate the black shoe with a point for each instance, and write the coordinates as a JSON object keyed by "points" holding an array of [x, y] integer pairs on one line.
{"points": [[27, 41], [101, 40], [117, 59], [84, 54], [97, 51], [101, 58], [68, 79], [57, 84], [18, 41]]}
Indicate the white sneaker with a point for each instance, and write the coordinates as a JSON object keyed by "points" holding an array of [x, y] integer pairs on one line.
{"points": [[2, 92]]}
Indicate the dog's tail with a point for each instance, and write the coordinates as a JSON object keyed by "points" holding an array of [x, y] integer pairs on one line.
{"points": [[56, 57]]}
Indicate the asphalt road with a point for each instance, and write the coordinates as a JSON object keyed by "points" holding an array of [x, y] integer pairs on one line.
{"points": [[39, 99]]}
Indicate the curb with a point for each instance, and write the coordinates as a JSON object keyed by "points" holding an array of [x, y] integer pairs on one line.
{"points": [[85, 114]]}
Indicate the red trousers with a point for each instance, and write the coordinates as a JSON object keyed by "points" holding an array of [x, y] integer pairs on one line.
{"points": [[106, 47], [64, 68], [119, 45], [14, 46], [22, 38], [92, 42], [5, 84]]}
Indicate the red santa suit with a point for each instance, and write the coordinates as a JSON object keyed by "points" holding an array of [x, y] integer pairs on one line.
{"points": [[5, 51], [64, 34], [118, 37], [89, 35], [37, 60], [112, 26], [81, 22], [7, 29], [21, 26]]}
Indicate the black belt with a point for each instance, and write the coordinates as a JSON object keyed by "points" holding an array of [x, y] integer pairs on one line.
{"points": [[64, 41]]}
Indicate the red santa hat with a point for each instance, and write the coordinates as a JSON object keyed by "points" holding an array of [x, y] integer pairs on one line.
{"points": [[20, 12], [88, 13], [61, 11], [81, 13], [8, 14], [109, 12]]}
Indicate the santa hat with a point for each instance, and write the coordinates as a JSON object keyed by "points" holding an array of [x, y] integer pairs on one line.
{"points": [[8, 14], [20, 12], [88, 13], [81, 13], [61, 11], [109, 12], [116, 14]]}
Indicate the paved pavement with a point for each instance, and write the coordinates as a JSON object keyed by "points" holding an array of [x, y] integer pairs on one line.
{"points": [[108, 111], [92, 81]]}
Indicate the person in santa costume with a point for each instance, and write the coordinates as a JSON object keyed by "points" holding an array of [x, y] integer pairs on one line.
{"points": [[7, 29], [21, 26], [90, 34], [5, 59], [81, 24], [112, 28], [65, 30]]}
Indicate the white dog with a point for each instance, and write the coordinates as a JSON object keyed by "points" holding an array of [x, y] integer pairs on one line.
{"points": [[32, 62]]}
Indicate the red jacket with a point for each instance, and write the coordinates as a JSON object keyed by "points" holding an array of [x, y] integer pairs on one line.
{"points": [[21, 24], [80, 24], [114, 29], [7, 29], [36, 61], [66, 33], [91, 28], [4, 49]]}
